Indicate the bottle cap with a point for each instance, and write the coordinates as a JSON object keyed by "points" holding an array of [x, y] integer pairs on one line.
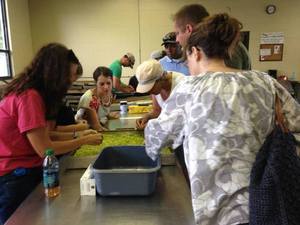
{"points": [[49, 152]]}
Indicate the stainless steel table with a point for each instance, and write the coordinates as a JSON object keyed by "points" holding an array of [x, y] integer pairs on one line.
{"points": [[170, 204], [127, 121]]}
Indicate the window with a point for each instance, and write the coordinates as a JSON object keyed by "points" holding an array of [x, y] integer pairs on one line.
{"points": [[5, 61]]}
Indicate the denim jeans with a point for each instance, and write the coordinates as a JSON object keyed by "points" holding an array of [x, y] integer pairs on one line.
{"points": [[14, 188]]}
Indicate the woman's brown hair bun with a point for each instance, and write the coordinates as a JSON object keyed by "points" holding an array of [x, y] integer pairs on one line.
{"points": [[217, 35]]}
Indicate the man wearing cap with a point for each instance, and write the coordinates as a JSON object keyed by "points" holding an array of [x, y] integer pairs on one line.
{"points": [[127, 60], [157, 55], [173, 60], [153, 79]]}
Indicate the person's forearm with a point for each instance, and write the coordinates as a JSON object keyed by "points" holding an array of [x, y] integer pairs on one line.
{"points": [[153, 114], [117, 85], [62, 147], [123, 85], [93, 120], [41, 141], [96, 126], [72, 127], [60, 136], [124, 89], [149, 116]]}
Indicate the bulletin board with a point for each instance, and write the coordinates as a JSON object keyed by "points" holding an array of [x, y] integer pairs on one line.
{"points": [[271, 52]]}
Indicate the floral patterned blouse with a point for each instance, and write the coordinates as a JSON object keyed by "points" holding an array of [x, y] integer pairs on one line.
{"points": [[90, 101], [222, 119]]}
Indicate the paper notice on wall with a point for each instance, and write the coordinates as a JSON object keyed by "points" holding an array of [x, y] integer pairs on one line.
{"points": [[265, 51], [272, 38], [277, 49]]}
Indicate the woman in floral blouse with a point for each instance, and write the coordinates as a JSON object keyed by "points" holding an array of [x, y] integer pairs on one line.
{"points": [[222, 116], [94, 104]]}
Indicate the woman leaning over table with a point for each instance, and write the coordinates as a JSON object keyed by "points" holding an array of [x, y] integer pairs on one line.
{"points": [[154, 80], [31, 99], [222, 116], [64, 127]]}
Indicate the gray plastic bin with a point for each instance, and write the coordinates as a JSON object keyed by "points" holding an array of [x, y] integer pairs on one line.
{"points": [[125, 170]]}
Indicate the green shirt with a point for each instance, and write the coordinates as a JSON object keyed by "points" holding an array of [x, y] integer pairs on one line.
{"points": [[240, 58], [116, 68]]}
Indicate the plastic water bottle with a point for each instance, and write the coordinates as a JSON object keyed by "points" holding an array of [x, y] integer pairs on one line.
{"points": [[51, 174]]}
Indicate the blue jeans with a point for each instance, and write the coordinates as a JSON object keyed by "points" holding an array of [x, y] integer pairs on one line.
{"points": [[14, 188]]}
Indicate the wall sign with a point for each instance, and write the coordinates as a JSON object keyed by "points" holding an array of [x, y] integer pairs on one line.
{"points": [[271, 46]]}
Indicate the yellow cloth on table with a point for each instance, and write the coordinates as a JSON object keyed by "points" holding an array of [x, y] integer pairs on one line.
{"points": [[139, 109]]}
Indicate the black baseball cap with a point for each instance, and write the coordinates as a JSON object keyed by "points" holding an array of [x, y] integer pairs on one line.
{"points": [[169, 38]]}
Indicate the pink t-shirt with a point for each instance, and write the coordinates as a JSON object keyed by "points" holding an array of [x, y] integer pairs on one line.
{"points": [[19, 114]]}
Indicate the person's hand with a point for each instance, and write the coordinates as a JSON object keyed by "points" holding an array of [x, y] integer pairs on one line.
{"points": [[82, 124], [114, 115], [102, 128], [131, 88], [93, 139], [86, 132], [81, 121], [141, 123]]}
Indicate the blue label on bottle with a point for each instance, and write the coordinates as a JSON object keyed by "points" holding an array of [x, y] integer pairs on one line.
{"points": [[50, 178]]}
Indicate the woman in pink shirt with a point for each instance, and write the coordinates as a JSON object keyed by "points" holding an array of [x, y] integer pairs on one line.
{"points": [[30, 100]]}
